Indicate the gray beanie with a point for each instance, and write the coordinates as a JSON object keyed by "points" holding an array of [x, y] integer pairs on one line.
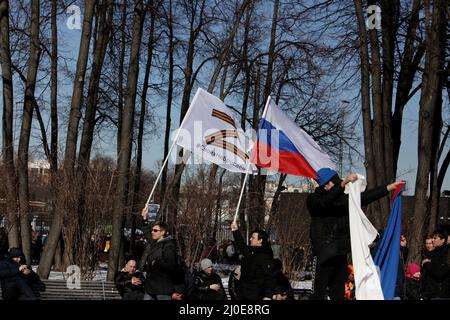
{"points": [[205, 264]]}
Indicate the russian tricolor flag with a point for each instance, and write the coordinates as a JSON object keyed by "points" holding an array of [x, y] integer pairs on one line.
{"points": [[281, 146], [387, 257]]}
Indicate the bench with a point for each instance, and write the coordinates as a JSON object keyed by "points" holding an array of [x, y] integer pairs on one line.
{"points": [[90, 290]]}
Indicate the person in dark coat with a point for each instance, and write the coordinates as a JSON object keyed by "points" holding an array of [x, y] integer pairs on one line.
{"points": [[330, 231], [208, 284], [257, 273], [159, 260], [436, 269], [16, 277], [283, 288], [130, 282]]}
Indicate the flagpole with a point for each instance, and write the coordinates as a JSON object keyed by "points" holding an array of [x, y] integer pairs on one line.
{"points": [[171, 147], [248, 167], [162, 168], [242, 193]]}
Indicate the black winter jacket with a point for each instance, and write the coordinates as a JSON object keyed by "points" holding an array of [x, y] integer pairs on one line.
{"points": [[330, 230], [257, 271], [436, 274], [159, 260], [127, 290], [202, 290], [16, 285]]}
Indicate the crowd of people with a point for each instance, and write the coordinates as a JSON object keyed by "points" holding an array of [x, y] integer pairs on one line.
{"points": [[257, 277], [158, 272]]}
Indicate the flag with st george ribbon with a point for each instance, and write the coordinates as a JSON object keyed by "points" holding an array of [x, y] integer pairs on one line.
{"points": [[211, 130], [282, 146]]}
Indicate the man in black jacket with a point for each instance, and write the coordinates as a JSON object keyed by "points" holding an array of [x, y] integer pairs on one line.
{"points": [[208, 284], [16, 277], [257, 273], [330, 230], [159, 260], [130, 282], [436, 269]]}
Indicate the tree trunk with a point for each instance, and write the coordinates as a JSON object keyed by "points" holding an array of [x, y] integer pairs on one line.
{"points": [[140, 137], [378, 138], [434, 62], [175, 185], [258, 205], [105, 16], [46, 260], [123, 162], [185, 103], [25, 132], [54, 120], [409, 66], [246, 67], [389, 34], [7, 127], [121, 71], [169, 101]]}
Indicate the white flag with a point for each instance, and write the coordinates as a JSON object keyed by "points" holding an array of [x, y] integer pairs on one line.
{"points": [[362, 234], [211, 130]]}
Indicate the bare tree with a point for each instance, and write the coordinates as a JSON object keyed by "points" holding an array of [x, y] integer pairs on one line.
{"points": [[7, 126], [46, 260], [429, 117], [24, 141], [123, 161]]}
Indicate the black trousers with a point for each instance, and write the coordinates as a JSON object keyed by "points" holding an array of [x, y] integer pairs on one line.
{"points": [[331, 274], [19, 290]]}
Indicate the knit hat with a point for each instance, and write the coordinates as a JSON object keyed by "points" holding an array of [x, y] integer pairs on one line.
{"points": [[412, 269], [205, 264], [14, 252], [324, 175]]}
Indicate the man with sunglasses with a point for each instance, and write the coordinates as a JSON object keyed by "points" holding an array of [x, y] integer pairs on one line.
{"points": [[159, 260]]}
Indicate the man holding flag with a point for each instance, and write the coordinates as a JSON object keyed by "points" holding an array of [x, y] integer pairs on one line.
{"points": [[330, 230]]}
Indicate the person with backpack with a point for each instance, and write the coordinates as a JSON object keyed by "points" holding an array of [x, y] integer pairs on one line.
{"points": [[207, 283], [159, 260]]}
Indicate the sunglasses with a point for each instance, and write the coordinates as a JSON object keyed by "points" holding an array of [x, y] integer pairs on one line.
{"points": [[156, 230]]}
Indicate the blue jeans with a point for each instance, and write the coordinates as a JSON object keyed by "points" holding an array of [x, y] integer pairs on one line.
{"points": [[157, 297]]}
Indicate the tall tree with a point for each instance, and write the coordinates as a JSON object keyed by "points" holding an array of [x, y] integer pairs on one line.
{"points": [[7, 126], [126, 136], [138, 171], [435, 20], [104, 18], [48, 254], [257, 189], [176, 183], [25, 131], [171, 50]]}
